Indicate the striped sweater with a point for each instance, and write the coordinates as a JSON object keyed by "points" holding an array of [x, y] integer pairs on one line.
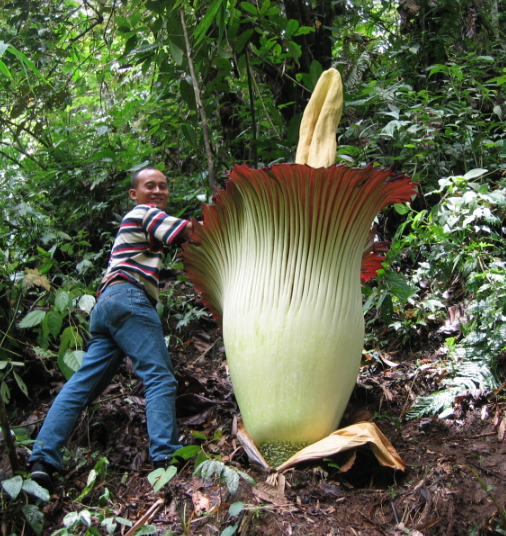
{"points": [[137, 252]]}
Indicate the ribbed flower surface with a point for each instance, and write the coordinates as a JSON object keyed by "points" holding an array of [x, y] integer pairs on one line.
{"points": [[279, 262]]}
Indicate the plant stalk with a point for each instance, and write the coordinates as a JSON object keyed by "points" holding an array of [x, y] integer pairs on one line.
{"points": [[252, 111], [196, 89], [9, 441]]}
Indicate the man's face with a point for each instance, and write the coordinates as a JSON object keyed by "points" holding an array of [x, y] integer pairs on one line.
{"points": [[151, 189]]}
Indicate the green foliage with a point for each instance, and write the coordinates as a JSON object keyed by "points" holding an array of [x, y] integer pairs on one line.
{"points": [[159, 477], [230, 476], [501, 511], [90, 95], [16, 489], [95, 476], [455, 253], [99, 516], [87, 522]]}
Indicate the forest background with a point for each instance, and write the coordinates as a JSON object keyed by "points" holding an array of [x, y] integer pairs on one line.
{"points": [[94, 90]]}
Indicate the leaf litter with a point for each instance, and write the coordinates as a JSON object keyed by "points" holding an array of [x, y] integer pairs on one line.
{"points": [[455, 467]]}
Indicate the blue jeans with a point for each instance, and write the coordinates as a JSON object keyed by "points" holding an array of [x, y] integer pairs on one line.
{"points": [[123, 322]]}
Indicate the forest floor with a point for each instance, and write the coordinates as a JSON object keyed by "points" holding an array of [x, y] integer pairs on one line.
{"points": [[454, 482]]}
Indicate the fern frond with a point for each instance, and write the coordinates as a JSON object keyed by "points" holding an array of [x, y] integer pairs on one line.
{"points": [[358, 68], [471, 375]]}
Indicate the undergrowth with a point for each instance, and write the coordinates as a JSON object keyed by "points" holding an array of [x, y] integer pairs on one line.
{"points": [[450, 274]]}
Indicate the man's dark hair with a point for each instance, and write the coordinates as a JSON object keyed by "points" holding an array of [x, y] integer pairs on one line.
{"points": [[135, 176]]}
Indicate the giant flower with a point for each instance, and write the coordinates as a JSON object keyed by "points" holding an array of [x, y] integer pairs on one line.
{"points": [[279, 261]]}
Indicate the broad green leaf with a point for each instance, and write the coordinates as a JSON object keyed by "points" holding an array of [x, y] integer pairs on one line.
{"points": [[200, 459], [105, 156], [130, 45], [70, 338], [3, 48], [124, 521], [135, 18], [295, 49], [54, 323], [34, 517], [188, 451], [231, 478], [206, 22], [73, 359], [242, 39], [398, 286], [189, 133], [249, 479], [13, 486], [473, 173], [33, 318], [62, 301], [5, 70], [176, 52], [92, 477], [73, 518], [387, 309], [5, 393], [146, 48], [401, 208], [230, 531], [500, 80], [304, 30], [159, 477], [291, 27], [86, 303], [249, 8], [221, 20], [437, 69], [266, 4], [146, 529], [209, 468], [109, 523], [121, 21], [3, 364], [31, 487], [188, 94], [236, 508], [21, 383], [84, 266], [315, 72], [101, 130], [21, 57]]}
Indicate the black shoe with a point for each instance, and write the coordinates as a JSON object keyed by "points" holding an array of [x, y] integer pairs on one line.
{"points": [[162, 464], [43, 473]]}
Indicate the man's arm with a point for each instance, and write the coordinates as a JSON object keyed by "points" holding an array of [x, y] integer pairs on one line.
{"points": [[185, 233]]}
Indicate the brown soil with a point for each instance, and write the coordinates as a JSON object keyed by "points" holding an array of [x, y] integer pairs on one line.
{"points": [[449, 462]]}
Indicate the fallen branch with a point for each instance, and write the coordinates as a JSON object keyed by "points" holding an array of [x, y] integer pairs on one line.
{"points": [[146, 517]]}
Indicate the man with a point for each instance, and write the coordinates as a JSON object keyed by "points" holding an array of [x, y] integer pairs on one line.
{"points": [[124, 322]]}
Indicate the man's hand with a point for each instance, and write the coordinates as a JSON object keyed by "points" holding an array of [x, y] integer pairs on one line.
{"points": [[185, 233]]}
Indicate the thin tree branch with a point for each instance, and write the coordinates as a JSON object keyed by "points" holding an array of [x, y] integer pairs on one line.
{"points": [[9, 442], [196, 89], [483, 18], [12, 159], [21, 150], [98, 20], [84, 32], [28, 131], [252, 111]]}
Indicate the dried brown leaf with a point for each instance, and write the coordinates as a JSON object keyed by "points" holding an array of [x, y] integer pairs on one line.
{"points": [[35, 278], [201, 502]]}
